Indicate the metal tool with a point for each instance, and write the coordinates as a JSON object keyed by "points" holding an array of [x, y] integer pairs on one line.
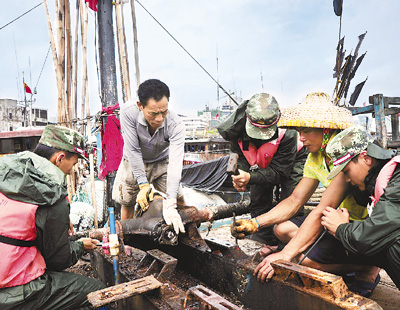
{"points": [[231, 167], [309, 250], [234, 221], [138, 211]]}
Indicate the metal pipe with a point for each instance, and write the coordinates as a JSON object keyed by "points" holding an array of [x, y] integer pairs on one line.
{"points": [[114, 245]]}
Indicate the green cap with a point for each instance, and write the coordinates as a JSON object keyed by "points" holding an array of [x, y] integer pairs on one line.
{"points": [[262, 116], [347, 145], [64, 139]]}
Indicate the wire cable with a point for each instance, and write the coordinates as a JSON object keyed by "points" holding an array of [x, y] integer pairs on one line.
{"points": [[42, 67], [20, 16], [219, 85]]}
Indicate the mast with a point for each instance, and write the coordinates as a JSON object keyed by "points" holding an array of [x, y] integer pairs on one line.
{"points": [[108, 76], [25, 118], [135, 43]]}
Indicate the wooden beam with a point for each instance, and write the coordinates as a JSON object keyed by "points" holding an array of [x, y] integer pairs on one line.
{"points": [[395, 126], [380, 120], [74, 91], [391, 100], [135, 43], [361, 110]]}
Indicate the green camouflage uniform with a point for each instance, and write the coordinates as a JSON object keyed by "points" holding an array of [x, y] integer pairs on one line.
{"points": [[64, 139]]}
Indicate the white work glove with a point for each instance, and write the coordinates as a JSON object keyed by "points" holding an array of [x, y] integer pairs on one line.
{"points": [[171, 215]]}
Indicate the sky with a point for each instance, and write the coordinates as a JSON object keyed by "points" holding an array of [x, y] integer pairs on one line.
{"points": [[285, 48]]}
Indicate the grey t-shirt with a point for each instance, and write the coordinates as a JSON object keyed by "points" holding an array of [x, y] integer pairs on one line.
{"points": [[140, 147]]}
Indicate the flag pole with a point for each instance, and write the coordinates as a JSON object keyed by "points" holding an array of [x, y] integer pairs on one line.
{"points": [[23, 81]]}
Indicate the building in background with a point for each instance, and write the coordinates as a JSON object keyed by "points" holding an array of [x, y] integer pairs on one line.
{"points": [[14, 116]]}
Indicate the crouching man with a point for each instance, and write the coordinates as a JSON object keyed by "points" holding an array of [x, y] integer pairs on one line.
{"points": [[34, 224], [377, 239]]}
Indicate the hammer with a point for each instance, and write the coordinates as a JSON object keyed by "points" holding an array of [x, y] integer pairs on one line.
{"points": [[231, 167]]}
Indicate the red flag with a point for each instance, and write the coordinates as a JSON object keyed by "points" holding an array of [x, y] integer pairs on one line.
{"points": [[92, 4], [27, 89]]}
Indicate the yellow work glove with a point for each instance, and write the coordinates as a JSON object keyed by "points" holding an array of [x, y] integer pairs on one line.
{"points": [[241, 228], [144, 196]]}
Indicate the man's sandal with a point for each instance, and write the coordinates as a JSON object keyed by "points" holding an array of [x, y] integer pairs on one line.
{"points": [[363, 288]]}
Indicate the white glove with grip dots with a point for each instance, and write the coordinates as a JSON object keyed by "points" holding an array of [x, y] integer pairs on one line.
{"points": [[171, 215]]}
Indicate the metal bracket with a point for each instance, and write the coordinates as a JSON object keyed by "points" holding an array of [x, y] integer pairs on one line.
{"points": [[310, 278], [200, 297], [123, 291], [159, 263], [225, 248]]}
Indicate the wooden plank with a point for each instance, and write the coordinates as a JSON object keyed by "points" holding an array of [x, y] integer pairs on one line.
{"points": [[391, 100], [361, 110], [390, 111], [380, 120], [395, 126], [393, 144]]}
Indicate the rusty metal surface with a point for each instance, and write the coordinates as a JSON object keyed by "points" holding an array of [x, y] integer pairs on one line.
{"points": [[222, 266], [123, 291], [323, 285], [158, 263], [200, 297]]}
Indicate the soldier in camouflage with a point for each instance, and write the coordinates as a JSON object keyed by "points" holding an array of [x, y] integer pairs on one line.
{"points": [[31, 272], [64, 139], [375, 241], [268, 158]]}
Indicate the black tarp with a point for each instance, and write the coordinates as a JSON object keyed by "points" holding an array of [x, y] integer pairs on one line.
{"points": [[207, 176]]}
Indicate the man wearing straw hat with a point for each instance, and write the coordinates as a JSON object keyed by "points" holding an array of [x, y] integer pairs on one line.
{"points": [[318, 121], [268, 157], [34, 224]]}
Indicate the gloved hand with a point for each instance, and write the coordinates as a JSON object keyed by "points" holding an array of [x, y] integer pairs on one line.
{"points": [[144, 196], [171, 215], [241, 228]]}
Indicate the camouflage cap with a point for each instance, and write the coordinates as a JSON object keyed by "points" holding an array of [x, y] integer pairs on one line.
{"points": [[347, 145], [262, 116], [64, 139]]}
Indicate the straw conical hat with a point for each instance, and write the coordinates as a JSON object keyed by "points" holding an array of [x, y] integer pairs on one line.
{"points": [[316, 111]]}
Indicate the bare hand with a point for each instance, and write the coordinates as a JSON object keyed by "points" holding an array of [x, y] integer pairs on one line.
{"points": [[89, 243], [264, 270], [332, 218], [240, 181]]}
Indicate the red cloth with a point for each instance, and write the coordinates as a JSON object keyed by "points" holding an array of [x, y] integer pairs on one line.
{"points": [[112, 143], [27, 89], [92, 4]]}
